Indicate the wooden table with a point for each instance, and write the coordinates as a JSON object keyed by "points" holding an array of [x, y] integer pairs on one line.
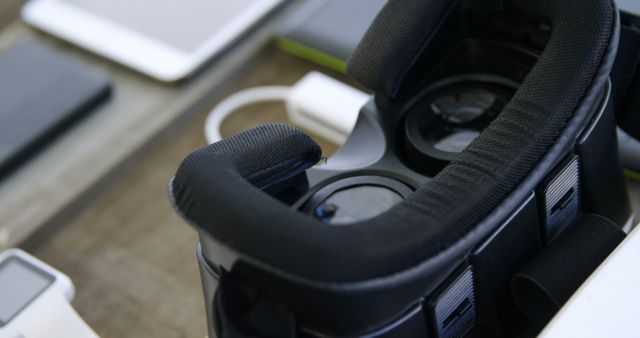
{"points": [[131, 258]]}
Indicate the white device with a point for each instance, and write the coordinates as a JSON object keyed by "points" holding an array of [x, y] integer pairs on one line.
{"points": [[608, 303], [631, 6], [317, 103], [35, 300], [165, 39]]}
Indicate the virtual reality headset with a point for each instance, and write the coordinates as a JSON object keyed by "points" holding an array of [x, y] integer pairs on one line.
{"points": [[480, 187]]}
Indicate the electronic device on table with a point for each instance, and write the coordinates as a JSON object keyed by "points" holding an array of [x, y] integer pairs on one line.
{"points": [[328, 31], [608, 300], [42, 92], [167, 40], [480, 187], [35, 300]]}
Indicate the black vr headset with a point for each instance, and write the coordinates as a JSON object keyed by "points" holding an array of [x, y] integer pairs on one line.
{"points": [[480, 187]]}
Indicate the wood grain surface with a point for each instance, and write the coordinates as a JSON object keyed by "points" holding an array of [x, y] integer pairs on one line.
{"points": [[131, 258], [9, 10]]}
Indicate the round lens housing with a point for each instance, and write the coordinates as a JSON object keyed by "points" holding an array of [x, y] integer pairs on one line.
{"points": [[448, 116], [463, 105]]}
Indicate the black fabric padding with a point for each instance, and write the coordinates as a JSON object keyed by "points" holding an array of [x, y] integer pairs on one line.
{"points": [[222, 203], [259, 157], [394, 41], [551, 278]]}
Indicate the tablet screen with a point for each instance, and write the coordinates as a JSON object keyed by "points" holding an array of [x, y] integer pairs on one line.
{"points": [[182, 24]]}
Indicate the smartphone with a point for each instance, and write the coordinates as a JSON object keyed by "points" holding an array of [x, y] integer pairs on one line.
{"points": [[165, 39]]}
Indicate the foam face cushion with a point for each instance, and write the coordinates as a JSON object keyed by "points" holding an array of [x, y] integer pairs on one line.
{"points": [[216, 187]]}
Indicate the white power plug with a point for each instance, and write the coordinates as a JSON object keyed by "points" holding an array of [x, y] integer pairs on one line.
{"points": [[325, 106]]}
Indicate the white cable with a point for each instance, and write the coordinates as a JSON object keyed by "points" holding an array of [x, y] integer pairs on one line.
{"points": [[239, 100], [317, 103]]}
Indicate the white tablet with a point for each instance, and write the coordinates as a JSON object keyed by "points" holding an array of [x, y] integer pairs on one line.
{"points": [[165, 39]]}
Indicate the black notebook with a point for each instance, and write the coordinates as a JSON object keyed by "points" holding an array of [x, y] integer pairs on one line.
{"points": [[41, 93]]}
